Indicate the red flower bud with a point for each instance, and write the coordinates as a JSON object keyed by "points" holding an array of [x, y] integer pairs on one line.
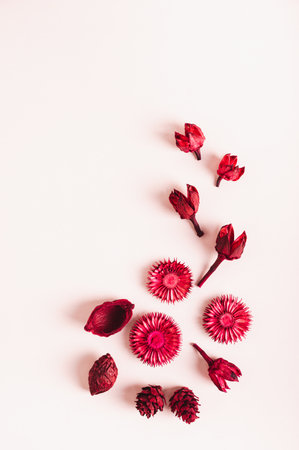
{"points": [[102, 375], [187, 207], [228, 169], [220, 370], [192, 141], [227, 248], [109, 317]]}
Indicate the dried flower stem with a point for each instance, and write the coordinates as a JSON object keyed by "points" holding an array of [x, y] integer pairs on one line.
{"points": [[197, 228], [203, 354], [211, 270], [218, 181], [197, 154]]}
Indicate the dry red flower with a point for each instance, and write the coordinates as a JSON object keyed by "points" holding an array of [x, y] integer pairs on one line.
{"points": [[102, 375], [226, 319], [227, 248], [220, 370], [109, 317], [187, 207], [192, 141], [228, 169]]}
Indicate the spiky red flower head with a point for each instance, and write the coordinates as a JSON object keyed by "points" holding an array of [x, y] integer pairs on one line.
{"points": [[170, 281], [155, 339], [226, 319]]}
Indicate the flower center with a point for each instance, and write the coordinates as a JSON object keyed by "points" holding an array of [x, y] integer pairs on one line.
{"points": [[227, 320], [155, 339], [170, 280]]}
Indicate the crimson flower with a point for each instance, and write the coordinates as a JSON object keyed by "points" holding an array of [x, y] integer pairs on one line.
{"points": [[227, 248], [226, 319], [192, 141], [228, 169], [187, 207], [220, 370], [155, 339]]}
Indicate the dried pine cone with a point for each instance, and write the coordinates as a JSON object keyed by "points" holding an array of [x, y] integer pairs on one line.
{"points": [[150, 400], [184, 404]]}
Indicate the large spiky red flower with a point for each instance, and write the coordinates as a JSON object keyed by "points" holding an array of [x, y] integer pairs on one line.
{"points": [[170, 281], [226, 319], [155, 339]]}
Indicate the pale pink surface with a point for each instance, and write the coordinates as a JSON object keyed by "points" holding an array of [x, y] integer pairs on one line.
{"points": [[91, 94]]}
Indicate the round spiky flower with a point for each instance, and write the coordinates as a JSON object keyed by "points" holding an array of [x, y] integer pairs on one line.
{"points": [[155, 339], [184, 403], [226, 319], [169, 280], [150, 400]]}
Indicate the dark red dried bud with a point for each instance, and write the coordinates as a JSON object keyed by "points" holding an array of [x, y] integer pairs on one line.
{"points": [[220, 370], [150, 400], [192, 141], [110, 317], [102, 375], [227, 248], [184, 403], [187, 207], [228, 169]]}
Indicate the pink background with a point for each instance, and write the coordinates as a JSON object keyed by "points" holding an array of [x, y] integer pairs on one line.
{"points": [[91, 93]]}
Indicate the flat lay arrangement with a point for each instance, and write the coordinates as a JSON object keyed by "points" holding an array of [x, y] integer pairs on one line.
{"points": [[156, 338]]}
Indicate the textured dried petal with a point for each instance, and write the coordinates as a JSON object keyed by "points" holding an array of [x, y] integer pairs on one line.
{"points": [[181, 204], [184, 403], [238, 246], [193, 197], [170, 281], [102, 375], [226, 319], [155, 339], [109, 317]]}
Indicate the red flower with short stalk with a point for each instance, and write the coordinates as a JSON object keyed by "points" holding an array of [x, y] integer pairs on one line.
{"points": [[227, 248], [187, 207], [228, 169], [220, 370], [192, 141]]}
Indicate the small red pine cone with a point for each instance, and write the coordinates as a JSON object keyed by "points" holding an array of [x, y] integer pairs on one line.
{"points": [[184, 404], [150, 400]]}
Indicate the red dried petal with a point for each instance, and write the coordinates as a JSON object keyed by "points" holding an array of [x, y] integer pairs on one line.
{"points": [[228, 170], [180, 203], [109, 317], [182, 142], [238, 246], [193, 197], [192, 141], [224, 240]]}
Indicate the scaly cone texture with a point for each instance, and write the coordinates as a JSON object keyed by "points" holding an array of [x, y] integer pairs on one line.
{"points": [[228, 169], [187, 207], [109, 317], [102, 375], [155, 339], [227, 248], [184, 404], [170, 281], [192, 141], [226, 319], [220, 370], [150, 400]]}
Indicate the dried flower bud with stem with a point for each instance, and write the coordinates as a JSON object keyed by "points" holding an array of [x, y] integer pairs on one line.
{"points": [[187, 207], [227, 248]]}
